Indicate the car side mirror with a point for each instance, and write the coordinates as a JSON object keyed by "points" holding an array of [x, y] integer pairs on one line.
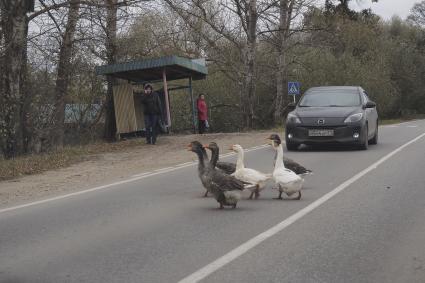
{"points": [[370, 104], [291, 106]]}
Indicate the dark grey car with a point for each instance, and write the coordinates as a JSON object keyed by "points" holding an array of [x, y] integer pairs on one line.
{"points": [[333, 115]]}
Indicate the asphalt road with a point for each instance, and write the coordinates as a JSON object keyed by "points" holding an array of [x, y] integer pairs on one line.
{"points": [[159, 229]]}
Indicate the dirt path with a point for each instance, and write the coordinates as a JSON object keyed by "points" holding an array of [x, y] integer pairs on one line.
{"points": [[106, 168]]}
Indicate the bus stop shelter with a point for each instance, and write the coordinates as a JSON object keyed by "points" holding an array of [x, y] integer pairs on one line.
{"points": [[128, 109]]}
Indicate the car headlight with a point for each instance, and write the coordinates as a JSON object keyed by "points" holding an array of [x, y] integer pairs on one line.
{"points": [[354, 118], [292, 118]]}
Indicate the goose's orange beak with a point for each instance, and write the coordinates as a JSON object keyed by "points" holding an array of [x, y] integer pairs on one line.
{"points": [[231, 147], [189, 147], [206, 146]]}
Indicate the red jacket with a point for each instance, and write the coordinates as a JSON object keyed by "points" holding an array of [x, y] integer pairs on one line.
{"points": [[202, 110]]}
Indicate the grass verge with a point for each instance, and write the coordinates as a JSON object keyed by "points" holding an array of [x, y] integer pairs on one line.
{"points": [[37, 163]]}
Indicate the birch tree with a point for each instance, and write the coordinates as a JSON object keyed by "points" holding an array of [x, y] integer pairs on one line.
{"points": [[237, 22], [14, 29]]}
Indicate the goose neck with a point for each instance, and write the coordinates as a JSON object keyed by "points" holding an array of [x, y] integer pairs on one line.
{"points": [[201, 158], [240, 161], [214, 157], [279, 158]]}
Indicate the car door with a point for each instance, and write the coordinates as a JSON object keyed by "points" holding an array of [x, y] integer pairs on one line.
{"points": [[371, 115]]}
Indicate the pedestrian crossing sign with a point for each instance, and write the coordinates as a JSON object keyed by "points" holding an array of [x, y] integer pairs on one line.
{"points": [[294, 88]]}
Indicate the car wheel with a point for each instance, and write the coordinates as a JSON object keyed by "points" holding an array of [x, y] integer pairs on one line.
{"points": [[365, 144], [374, 140]]}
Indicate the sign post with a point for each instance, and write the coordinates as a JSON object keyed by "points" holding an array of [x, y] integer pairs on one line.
{"points": [[294, 88]]}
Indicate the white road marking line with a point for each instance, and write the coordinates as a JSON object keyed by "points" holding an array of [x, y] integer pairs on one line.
{"points": [[184, 164], [257, 147], [227, 154], [164, 169], [142, 174], [412, 126], [131, 179], [250, 244]]}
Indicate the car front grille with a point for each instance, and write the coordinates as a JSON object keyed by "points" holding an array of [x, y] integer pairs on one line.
{"points": [[327, 122], [339, 132]]}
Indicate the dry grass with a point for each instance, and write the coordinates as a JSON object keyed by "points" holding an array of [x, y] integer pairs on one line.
{"points": [[33, 164], [37, 163], [391, 121], [400, 120]]}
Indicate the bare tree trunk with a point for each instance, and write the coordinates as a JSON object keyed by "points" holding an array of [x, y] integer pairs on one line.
{"points": [[2, 81], [286, 7], [250, 59], [63, 76], [14, 28], [26, 99], [111, 34]]}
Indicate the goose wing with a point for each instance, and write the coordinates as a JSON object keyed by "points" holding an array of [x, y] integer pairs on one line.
{"points": [[251, 176], [285, 175], [226, 167], [296, 167], [226, 182]]}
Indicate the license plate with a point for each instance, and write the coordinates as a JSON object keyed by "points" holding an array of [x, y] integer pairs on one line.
{"points": [[321, 133]]}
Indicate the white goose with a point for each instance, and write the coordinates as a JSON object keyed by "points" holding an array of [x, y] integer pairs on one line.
{"points": [[255, 178], [287, 181]]}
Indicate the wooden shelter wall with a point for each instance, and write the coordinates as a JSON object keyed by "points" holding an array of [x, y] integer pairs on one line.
{"points": [[140, 121], [125, 112]]}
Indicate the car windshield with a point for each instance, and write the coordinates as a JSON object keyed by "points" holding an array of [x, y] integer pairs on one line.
{"points": [[331, 98]]}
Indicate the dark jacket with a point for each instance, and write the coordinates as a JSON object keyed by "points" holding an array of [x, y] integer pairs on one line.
{"points": [[152, 104]]}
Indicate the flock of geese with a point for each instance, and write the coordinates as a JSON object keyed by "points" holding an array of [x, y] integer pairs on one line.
{"points": [[225, 180]]}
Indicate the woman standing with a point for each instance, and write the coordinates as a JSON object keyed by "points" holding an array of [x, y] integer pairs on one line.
{"points": [[202, 113]]}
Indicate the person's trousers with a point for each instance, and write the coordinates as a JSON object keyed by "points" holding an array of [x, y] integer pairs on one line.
{"points": [[151, 125], [201, 126]]}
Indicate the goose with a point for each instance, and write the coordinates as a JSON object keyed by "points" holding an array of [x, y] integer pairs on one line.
{"points": [[255, 178], [202, 167], [225, 188], [287, 181], [289, 163]]}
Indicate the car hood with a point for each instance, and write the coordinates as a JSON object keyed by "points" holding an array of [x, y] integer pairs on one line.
{"points": [[325, 112]]}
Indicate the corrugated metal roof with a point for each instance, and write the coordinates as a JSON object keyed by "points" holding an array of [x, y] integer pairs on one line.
{"points": [[151, 69]]}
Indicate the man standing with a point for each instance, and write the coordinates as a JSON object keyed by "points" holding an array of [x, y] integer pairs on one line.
{"points": [[152, 112], [202, 113]]}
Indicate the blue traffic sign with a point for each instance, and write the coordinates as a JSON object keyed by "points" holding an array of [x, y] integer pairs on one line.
{"points": [[294, 88]]}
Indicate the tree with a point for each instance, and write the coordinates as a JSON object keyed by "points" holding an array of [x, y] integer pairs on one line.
{"points": [[233, 23], [14, 30], [285, 17], [63, 73], [111, 53], [417, 14], [344, 9], [287, 27]]}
